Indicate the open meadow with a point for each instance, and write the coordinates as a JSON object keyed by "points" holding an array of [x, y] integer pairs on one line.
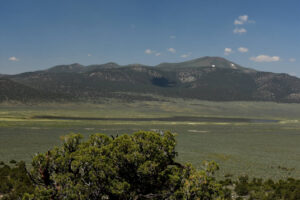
{"points": [[255, 138]]}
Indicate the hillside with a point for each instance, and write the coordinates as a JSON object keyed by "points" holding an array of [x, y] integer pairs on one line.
{"points": [[13, 91], [207, 78]]}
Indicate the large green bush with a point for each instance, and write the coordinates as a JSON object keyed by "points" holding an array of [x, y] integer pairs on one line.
{"points": [[140, 166]]}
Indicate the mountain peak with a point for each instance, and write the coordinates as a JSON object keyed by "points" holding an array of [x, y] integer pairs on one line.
{"points": [[206, 78], [207, 61], [75, 67], [111, 64], [96, 67]]}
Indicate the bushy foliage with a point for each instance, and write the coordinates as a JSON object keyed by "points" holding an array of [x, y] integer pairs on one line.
{"points": [[141, 166], [14, 181], [242, 188], [268, 190]]}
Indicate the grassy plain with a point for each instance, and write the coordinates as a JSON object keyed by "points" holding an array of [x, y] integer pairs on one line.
{"points": [[261, 148]]}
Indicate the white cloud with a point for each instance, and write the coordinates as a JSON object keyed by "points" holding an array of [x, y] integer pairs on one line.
{"points": [[227, 51], [292, 59], [172, 37], [186, 55], [13, 58], [265, 58], [239, 31], [242, 20], [149, 51], [89, 55], [238, 22], [172, 50], [243, 49]]}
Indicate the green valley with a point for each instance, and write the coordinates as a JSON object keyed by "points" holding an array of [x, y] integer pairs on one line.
{"points": [[254, 138]]}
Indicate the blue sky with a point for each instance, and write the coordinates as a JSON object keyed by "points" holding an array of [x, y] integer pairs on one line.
{"points": [[38, 34]]}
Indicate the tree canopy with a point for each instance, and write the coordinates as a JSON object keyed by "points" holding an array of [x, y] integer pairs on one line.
{"points": [[138, 166]]}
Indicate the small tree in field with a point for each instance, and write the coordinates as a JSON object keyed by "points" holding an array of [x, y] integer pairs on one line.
{"points": [[140, 166]]}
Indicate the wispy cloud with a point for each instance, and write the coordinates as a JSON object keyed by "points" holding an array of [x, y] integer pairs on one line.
{"points": [[265, 58], [186, 55], [13, 58], [227, 51], [243, 49], [172, 37], [239, 31], [172, 50], [292, 59], [149, 51], [243, 19], [89, 55]]}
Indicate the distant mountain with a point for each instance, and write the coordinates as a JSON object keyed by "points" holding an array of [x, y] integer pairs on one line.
{"points": [[75, 68], [13, 91], [207, 78], [218, 62]]}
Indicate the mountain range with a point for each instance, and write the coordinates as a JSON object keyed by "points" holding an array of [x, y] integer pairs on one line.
{"points": [[206, 78]]}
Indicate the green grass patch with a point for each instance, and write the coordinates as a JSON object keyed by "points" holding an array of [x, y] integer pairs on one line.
{"points": [[252, 148]]}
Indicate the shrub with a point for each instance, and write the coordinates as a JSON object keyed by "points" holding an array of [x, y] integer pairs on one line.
{"points": [[141, 166]]}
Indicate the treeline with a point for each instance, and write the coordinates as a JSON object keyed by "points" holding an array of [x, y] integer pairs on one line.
{"points": [[128, 167]]}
